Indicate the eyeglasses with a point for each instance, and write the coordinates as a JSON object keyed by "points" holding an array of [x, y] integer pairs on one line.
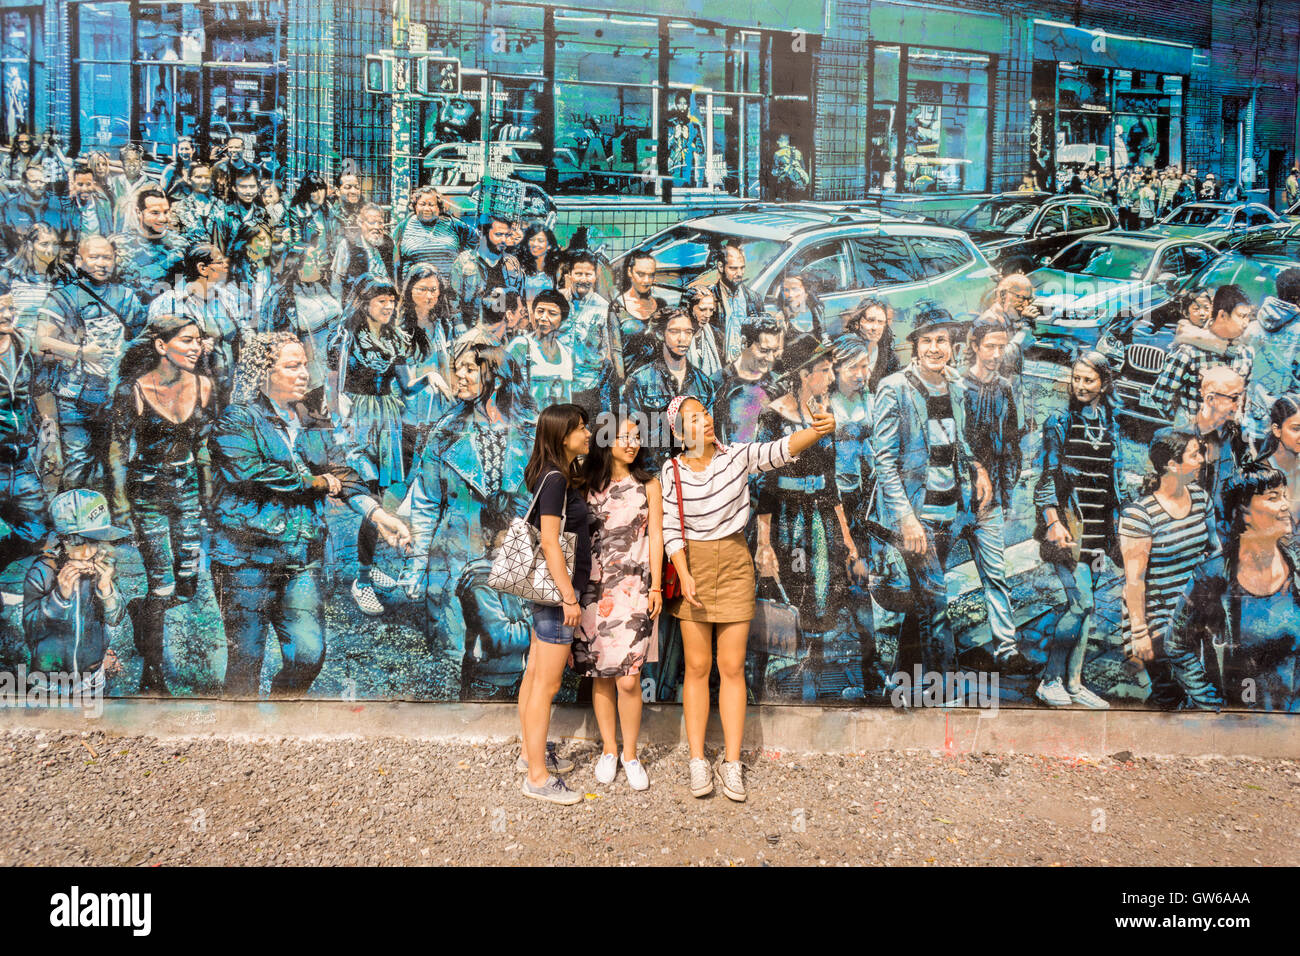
{"points": [[1232, 397]]}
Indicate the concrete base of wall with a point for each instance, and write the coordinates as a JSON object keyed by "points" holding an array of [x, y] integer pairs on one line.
{"points": [[782, 729]]}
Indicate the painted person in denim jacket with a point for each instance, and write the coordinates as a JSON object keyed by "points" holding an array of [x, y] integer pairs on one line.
{"points": [[274, 467], [471, 463]]}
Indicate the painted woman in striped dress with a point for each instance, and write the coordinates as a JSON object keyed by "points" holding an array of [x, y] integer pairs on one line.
{"points": [[1163, 536]]}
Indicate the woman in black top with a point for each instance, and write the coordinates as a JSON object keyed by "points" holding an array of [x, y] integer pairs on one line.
{"points": [[556, 481], [163, 416]]}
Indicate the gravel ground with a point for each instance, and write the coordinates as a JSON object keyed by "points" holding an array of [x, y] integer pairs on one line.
{"points": [[98, 799]]}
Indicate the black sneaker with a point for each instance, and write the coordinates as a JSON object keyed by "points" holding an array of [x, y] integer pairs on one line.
{"points": [[1016, 664], [979, 659]]}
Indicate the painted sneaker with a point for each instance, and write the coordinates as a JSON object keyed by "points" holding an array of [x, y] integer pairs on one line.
{"points": [[606, 768], [637, 778], [1086, 698], [553, 791], [1052, 693], [382, 579], [366, 600], [701, 777], [732, 774], [554, 762]]}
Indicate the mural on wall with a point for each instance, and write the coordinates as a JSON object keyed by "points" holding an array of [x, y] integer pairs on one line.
{"points": [[262, 438]]}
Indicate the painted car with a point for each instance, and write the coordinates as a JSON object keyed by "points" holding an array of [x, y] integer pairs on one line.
{"points": [[1116, 273], [1137, 344], [1034, 225], [852, 251], [1219, 223]]}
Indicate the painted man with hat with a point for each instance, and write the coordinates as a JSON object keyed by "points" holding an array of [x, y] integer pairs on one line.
{"points": [[70, 596], [930, 487]]}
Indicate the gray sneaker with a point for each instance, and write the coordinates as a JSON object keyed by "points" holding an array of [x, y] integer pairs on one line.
{"points": [[1086, 698], [701, 777], [732, 774], [553, 791], [554, 762]]}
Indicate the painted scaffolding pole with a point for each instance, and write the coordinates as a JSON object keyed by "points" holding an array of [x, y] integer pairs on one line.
{"points": [[403, 106]]}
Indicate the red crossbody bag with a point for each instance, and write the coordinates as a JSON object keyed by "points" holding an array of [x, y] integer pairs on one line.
{"points": [[673, 584]]}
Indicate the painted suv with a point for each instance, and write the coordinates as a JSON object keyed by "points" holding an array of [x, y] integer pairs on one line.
{"points": [[852, 251], [1033, 225]]}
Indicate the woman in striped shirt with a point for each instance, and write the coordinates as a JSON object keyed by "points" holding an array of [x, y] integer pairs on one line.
{"points": [[1163, 536], [716, 571]]}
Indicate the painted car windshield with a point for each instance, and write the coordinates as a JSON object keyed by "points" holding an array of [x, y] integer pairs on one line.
{"points": [[999, 215], [1105, 260], [1199, 216], [1257, 277], [684, 254]]}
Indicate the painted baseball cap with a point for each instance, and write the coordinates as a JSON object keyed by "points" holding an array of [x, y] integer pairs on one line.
{"points": [[84, 512]]}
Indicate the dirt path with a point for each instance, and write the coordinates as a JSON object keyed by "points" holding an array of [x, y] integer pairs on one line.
{"points": [[97, 799]]}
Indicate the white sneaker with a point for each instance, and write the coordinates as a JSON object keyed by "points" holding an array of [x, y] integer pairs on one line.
{"points": [[1086, 698], [1052, 693], [701, 777], [606, 768], [366, 600], [733, 780], [382, 579], [637, 778]]}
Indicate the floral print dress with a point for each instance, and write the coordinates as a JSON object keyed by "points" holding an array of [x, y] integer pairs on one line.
{"points": [[617, 635]]}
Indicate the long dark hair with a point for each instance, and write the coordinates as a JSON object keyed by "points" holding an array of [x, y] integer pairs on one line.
{"points": [[311, 181], [1287, 406], [286, 282], [810, 295], [502, 378], [553, 426], [1167, 444], [410, 323], [366, 291], [240, 264], [26, 253], [552, 263], [886, 358], [141, 357], [599, 465]]}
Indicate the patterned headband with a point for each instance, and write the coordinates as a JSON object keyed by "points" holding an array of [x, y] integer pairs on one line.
{"points": [[673, 408]]}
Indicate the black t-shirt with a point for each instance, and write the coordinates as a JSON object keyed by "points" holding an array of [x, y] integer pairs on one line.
{"points": [[577, 519]]}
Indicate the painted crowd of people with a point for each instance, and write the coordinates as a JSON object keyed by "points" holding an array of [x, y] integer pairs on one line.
{"points": [[212, 376]]}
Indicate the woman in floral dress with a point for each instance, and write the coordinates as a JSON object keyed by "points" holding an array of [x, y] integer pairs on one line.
{"points": [[617, 635]]}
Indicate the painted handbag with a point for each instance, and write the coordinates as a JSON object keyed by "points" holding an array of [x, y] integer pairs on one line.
{"points": [[520, 565], [775, 626]]}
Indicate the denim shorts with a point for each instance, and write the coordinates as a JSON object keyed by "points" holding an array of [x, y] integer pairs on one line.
{"points": [[549, 624]]}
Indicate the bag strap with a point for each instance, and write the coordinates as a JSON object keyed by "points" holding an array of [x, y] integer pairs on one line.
{"points": [[681, 508], [564, 508]]}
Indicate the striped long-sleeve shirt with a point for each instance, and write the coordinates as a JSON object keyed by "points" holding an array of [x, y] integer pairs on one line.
{"points": [[716, 500]]}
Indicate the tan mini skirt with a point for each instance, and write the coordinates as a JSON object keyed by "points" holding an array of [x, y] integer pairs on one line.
{"points": [[724, 582]]}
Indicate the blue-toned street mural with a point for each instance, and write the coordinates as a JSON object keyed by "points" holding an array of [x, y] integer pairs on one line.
{"points": [[263, 434]]}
